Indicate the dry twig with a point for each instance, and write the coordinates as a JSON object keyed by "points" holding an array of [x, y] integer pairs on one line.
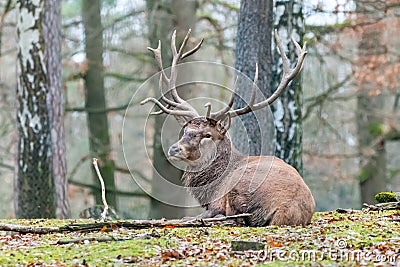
{"points": [[103, 190]]}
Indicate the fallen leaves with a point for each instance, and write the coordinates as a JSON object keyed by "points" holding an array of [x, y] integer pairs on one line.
{"points": [[330, 238]]}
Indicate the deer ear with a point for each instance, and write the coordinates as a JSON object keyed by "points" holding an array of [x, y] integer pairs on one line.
{"points": [[224, 124]]}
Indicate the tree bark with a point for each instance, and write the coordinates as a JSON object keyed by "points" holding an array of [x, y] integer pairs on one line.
{"points": [[34, 186], [164, 17], [372, 176], [289, 22], [99, 137], [52, 35], [253, 45]]}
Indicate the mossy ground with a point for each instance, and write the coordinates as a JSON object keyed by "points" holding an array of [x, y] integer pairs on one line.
{"points": [[333, 239]]}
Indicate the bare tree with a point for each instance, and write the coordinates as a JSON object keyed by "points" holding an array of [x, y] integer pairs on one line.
{"points": [[52, 35], [253, 45], [99, 137], [34, 183]]}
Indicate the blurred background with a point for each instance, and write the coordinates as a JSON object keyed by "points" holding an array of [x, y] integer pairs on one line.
{"points": [[350, 94]]}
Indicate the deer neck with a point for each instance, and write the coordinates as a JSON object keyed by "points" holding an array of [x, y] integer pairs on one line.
{"points": [[226, 159]]}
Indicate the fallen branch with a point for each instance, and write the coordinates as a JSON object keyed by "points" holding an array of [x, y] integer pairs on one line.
{"points": [[383, 206], [133, 224], [91, 239], [140, 224], [28, 229]]}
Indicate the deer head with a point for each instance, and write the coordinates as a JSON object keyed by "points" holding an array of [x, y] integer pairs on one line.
{"points": [[203, 134]]}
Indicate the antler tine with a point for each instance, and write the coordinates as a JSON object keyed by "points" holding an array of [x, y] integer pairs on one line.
{"points": [[208, 106], [183, 45], [254, 88], [223, 112], [185, 113], [173, 44], [285, 60], [175, 106], [287, 76], [249, 106], [157, 112], [163, 97], [175, 60], [298, 47], [157, 55], [194, 50]]}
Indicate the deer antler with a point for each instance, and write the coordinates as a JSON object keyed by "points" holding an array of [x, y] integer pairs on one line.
{"points": [[175, 106], [287, 75]]}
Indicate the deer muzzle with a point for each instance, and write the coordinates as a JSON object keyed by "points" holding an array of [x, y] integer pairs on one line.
{"points": [[173, 150]]}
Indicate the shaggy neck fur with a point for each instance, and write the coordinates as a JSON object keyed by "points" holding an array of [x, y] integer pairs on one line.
{"points": [[204, 182]]}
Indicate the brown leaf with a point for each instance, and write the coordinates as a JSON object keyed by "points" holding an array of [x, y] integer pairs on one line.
{"points": [[171, 254]]}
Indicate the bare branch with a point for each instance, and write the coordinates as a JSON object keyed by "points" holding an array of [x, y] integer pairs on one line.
{"points": [[132, 224], [103, 190]]}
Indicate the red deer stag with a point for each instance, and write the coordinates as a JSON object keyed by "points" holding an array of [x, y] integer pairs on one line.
{"points": [[223, 180]]}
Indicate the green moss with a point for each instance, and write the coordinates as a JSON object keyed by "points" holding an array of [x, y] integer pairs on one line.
{"points": [[376, 129], [363, 175], [203, 246], [104, 253], [384, 197]]}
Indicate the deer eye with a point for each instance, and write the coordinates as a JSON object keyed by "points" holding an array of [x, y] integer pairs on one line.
{"points": [[207, 135]]}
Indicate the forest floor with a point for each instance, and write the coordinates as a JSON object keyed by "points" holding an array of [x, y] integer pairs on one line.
{"points": [[357, 238]]}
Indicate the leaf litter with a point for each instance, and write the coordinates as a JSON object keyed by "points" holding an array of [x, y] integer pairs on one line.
{"points": [[356, 238]]}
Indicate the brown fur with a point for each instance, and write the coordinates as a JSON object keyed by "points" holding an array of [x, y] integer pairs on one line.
{"points": [[227, 182]]}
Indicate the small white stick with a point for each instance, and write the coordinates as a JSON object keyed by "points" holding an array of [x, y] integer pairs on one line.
{"points": [[103, 190]]}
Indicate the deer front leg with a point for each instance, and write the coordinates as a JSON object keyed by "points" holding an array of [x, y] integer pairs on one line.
{"points": [[213, 209], [211, 213], [219, 207], [208, 213]]}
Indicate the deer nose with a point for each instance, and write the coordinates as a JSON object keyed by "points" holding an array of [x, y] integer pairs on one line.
{"points": [[173, 150]]}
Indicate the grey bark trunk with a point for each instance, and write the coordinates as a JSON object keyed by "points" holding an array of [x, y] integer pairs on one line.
{"points": [[289, 22], [52, 35], [34, 186], [253, 45], [99, 137], [164, 17]]}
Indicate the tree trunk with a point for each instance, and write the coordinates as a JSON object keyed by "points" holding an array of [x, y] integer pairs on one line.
{"points": [[253, 45], [34, 186], [372, 176], [99, 137], [289, 22], [164, 17], [52, 35]]}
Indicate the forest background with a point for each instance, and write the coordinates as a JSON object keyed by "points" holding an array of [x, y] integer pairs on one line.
{"points": [[349, 102]]}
